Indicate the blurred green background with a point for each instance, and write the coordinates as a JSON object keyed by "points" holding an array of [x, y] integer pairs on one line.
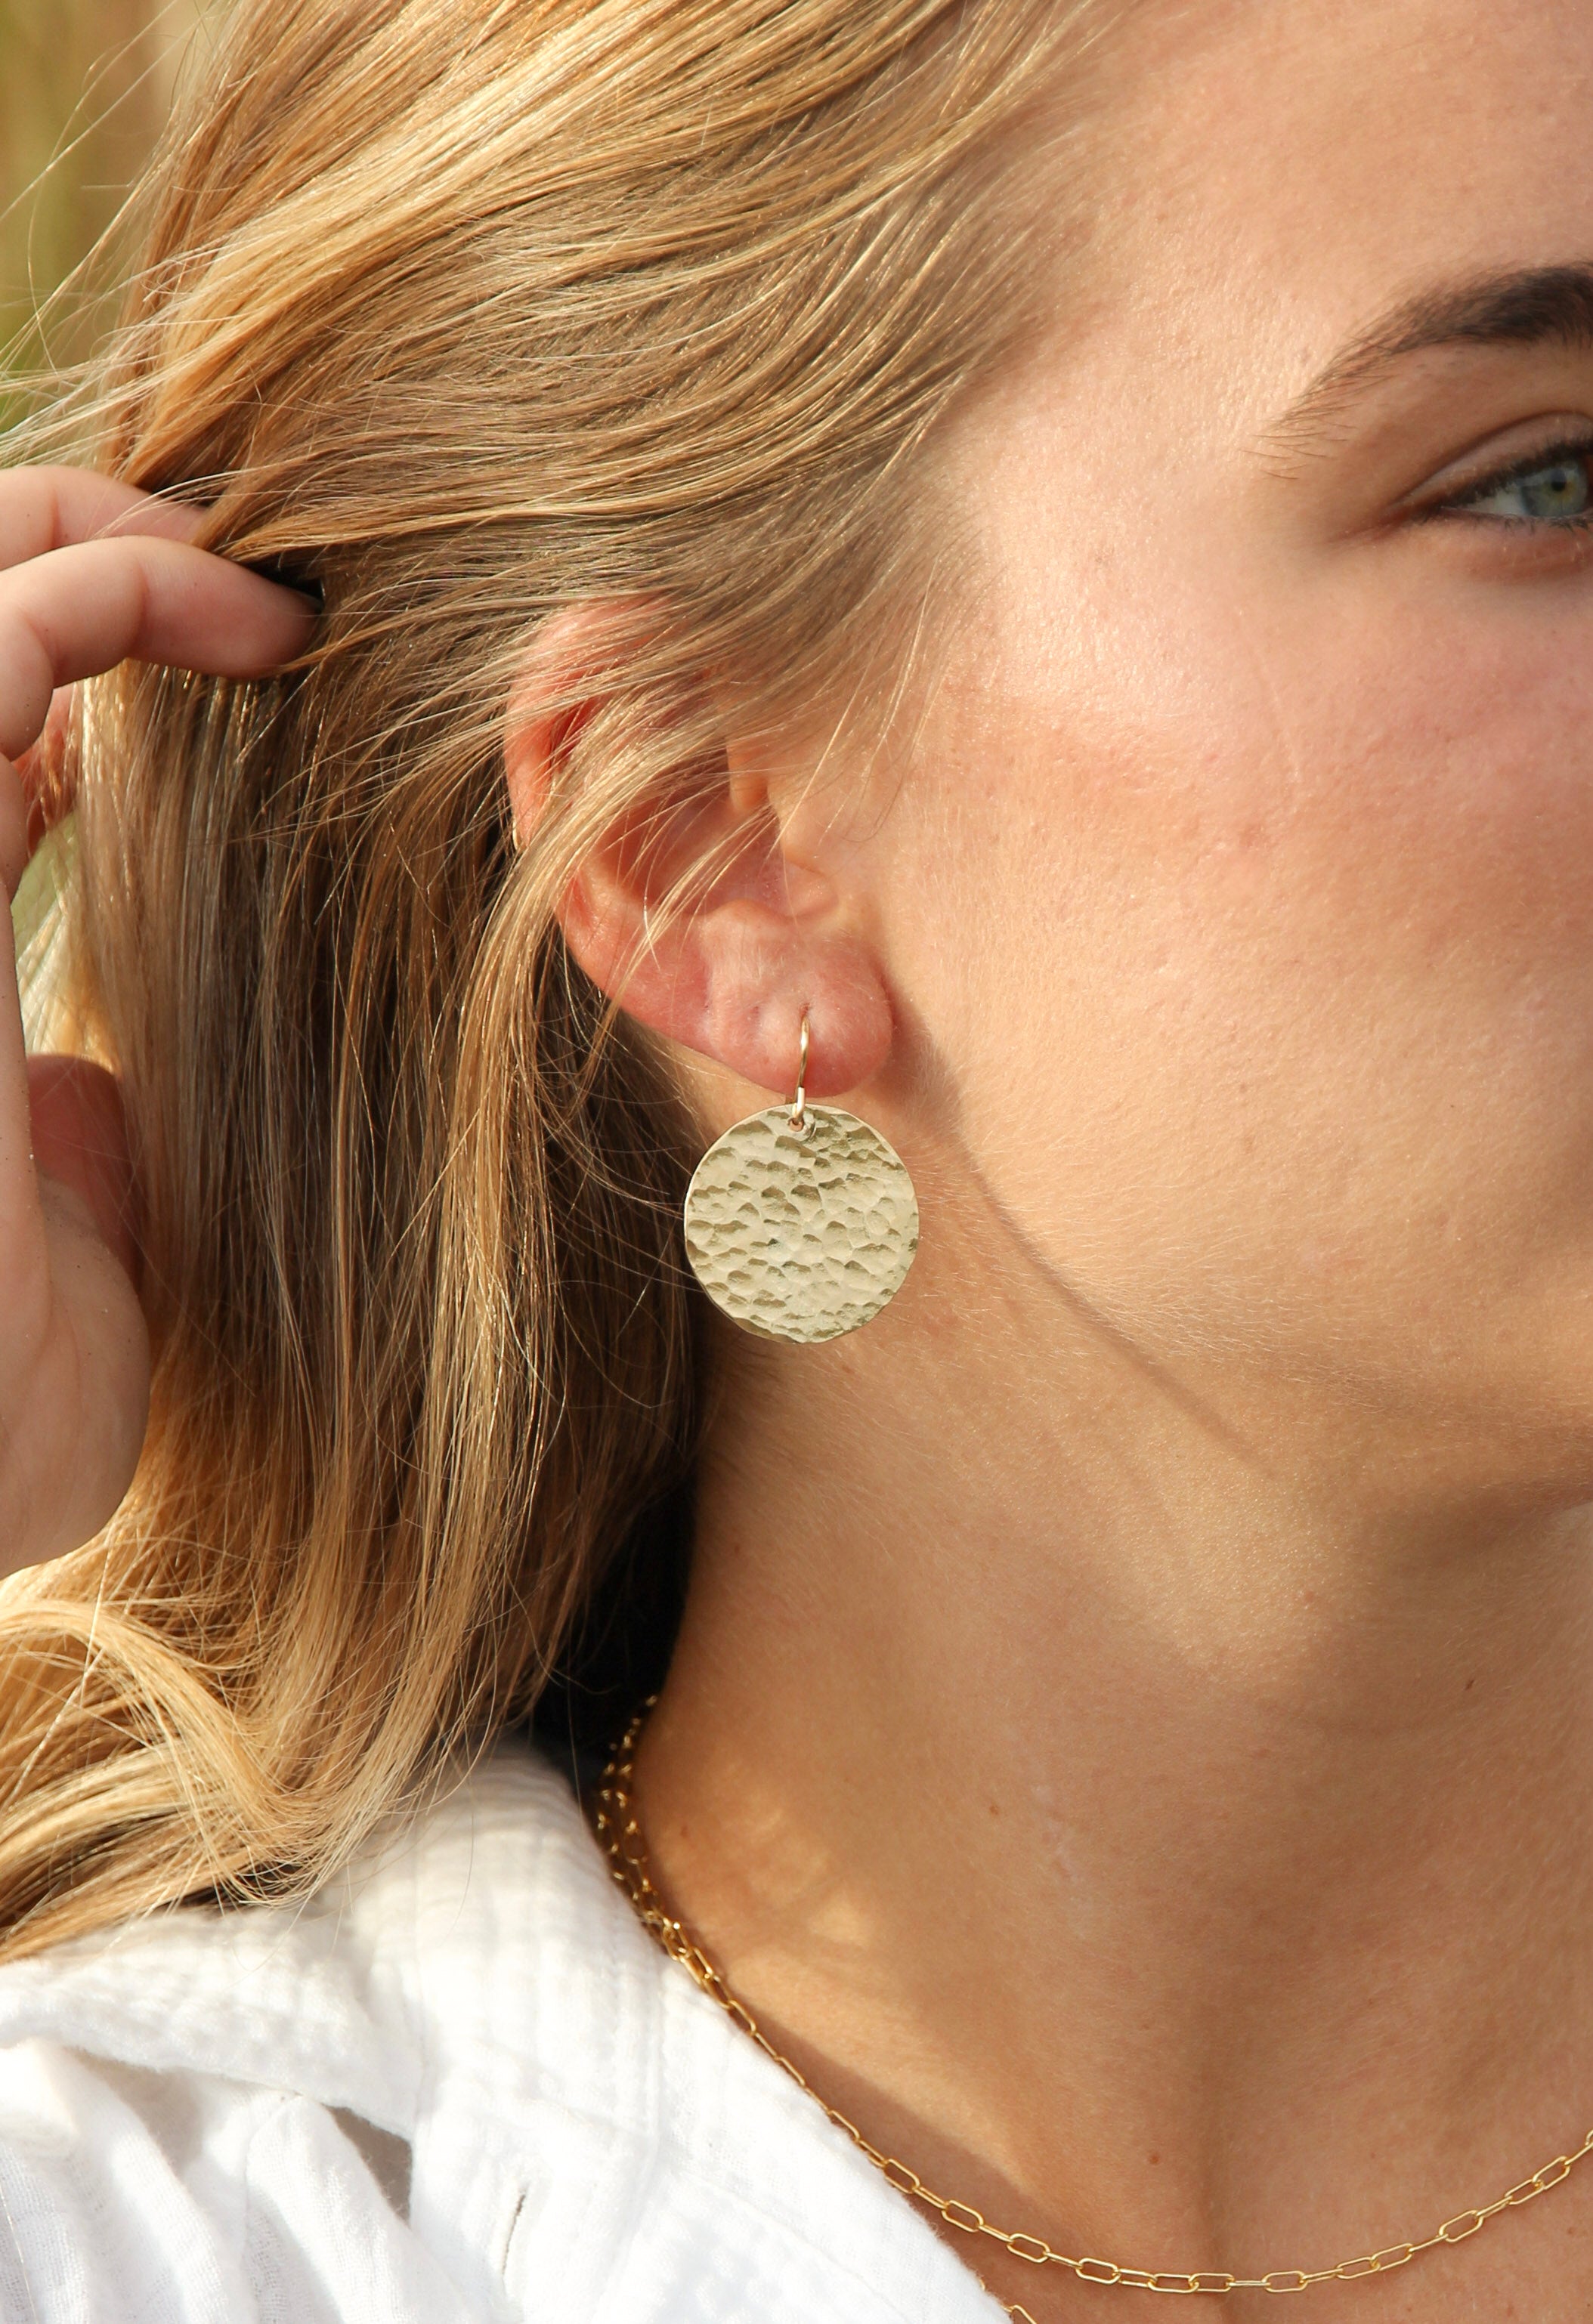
{"points": [[84, 87]]}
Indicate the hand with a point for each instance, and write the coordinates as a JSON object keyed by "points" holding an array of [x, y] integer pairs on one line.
{"points": [[91, 574]]}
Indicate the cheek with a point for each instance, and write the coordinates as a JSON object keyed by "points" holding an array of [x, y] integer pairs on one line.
{"points": [[1261, 961]]}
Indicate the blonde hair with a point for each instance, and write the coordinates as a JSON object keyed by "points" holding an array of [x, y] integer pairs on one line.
{"points": [[464, 310]]}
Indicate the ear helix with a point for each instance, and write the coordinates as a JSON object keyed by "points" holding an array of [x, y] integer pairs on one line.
{"points": [[801, 1221]]}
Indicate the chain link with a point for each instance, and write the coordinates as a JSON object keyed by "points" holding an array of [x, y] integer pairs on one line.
{"points": [[620, 1831]]}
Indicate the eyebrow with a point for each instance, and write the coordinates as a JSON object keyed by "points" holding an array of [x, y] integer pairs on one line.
{"points": [[1534, 306]]}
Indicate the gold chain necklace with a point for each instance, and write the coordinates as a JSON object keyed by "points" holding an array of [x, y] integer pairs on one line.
{"points": [[620, 1831]]}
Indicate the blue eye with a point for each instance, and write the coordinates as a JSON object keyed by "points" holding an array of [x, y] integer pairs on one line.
{"points": [[1558, 490]]}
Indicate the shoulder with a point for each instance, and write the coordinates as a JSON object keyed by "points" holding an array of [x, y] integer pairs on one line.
{"points": [[458, 2083], [351, 1996], [230, 2115]]}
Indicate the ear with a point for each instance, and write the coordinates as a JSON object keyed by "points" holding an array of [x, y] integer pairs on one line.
{"points": [[771, 935]]}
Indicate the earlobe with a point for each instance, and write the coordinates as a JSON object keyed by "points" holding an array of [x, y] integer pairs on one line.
{"points": [[759, 942]]}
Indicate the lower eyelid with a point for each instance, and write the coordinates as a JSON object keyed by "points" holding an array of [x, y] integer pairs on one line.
{"points": [[1502, 546], [1450, 511]]}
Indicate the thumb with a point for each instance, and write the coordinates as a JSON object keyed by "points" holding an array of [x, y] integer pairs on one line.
{"points": [[80, 1140]]}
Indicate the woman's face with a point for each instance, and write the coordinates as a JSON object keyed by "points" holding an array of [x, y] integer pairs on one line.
{"points": [[1241, 884]]}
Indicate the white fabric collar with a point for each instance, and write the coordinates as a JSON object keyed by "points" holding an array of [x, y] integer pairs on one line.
{"points": [[594, 2142]]}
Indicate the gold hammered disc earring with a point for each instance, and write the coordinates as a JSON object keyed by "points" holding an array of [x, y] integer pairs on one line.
{"points": [[801, 1222]]}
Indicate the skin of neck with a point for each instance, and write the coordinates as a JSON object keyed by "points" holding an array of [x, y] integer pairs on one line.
{"points": [[1163, 1856]]}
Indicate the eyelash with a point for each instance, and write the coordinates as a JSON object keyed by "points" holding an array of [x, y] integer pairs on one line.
{"points": [[1570, 452]]}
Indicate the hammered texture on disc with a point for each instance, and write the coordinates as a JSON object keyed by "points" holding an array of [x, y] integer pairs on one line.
{"points": [[801, 1237]]}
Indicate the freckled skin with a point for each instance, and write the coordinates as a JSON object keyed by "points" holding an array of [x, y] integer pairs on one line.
{"points": [[1275, 1038], [1213, 1498]]}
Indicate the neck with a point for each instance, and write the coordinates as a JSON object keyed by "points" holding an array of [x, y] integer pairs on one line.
{"points": [[1183, 1864]]}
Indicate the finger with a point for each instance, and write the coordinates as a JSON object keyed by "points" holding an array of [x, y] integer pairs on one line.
{"points": [[16, 840], [79, 1130], [44, 509], [50, 508], [48, 775], [79, 611], [18, 1179], [101, 1372]]}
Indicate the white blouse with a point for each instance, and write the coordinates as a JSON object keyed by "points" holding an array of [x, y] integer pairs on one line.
{"points": [[461, 2084]]}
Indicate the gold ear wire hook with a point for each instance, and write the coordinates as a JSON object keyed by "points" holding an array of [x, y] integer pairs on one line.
{"points": [[801, 1222], [799, 1110]]}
